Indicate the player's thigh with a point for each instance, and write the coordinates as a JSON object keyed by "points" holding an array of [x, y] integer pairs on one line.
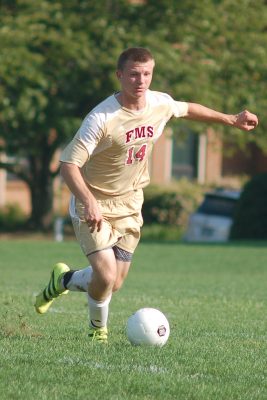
{"points": [[91, 242]]}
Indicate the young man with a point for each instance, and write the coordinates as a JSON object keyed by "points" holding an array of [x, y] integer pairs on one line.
{"points": [[105, 167]]}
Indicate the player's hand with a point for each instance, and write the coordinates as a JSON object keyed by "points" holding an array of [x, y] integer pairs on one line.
{"points": [[246, 121], [93, 216]]}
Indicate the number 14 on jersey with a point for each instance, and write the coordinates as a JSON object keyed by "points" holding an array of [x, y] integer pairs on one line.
{"points": [[135, 154]]}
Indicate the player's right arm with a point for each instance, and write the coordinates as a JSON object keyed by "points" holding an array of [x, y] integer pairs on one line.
{"points": [[74, 157], [72, 176]]}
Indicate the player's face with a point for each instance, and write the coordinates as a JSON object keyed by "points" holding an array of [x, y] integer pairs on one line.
{"points": [[135, 78]]}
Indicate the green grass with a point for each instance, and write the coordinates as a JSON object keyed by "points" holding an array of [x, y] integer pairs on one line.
{"points": [[215, 298]]}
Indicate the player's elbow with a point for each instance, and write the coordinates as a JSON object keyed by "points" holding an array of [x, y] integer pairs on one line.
{"points": [[66, 169]]}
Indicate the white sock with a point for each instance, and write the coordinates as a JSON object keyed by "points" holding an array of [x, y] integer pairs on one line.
{"points": [[80, 280], [98, 312]]}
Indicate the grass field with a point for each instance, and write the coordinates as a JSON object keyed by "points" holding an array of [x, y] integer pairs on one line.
{"points": [[215, 298]]}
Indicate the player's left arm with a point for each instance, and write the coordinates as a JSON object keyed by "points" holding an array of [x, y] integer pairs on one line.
{"points": [[245, 120]]}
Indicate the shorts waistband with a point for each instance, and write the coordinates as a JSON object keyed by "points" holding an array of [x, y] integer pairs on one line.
{"points": [[125, 196]]}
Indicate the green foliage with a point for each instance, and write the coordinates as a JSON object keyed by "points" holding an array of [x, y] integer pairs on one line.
{"points": [[57, 62], [12, 218], [161, 233], [58, 59], [163, 207], [218, 55], [171, 205], [250, 221]]}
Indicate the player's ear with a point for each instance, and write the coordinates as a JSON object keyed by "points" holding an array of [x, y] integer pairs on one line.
{"points": [[119, 74]]}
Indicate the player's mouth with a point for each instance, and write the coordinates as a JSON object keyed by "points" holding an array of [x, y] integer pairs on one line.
{"points": [[140, 90]]}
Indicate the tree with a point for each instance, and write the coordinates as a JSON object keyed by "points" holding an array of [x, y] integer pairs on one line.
{"points": [[250, 217], [57, 62], [50, 76], [221, 49]]}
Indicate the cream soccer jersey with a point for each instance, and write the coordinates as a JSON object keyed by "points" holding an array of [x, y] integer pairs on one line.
{"points": [[113, 144]]}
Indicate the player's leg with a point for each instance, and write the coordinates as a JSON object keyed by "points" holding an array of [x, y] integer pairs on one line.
{"points": [[103, 285], [110, 273], [130, 227], [77, 280], [109, 267], [123, 260], [62, 280], [99, 309], [96, 280], [104, 275], [53, 290]]}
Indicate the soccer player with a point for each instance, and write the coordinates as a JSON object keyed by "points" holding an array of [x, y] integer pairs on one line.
{"points": [[105, 167]]}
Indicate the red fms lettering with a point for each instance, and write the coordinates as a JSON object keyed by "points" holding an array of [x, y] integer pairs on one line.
{"points": [[139, 133]]}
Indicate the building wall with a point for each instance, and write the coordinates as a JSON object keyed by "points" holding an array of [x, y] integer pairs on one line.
{"points": [[250, 161], [17, 193], [213, 157], [161, 160]]}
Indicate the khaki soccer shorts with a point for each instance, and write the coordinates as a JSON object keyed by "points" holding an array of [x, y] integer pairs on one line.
{"points": [[121, 225]]}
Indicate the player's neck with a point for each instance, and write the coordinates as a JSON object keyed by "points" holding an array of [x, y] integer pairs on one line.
{"points": [[131, 103]]}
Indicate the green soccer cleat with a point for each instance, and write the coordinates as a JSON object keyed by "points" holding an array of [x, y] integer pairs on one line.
{"points": [[52, 290], [99, 335]]}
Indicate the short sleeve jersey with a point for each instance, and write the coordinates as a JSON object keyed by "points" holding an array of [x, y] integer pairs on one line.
{"points": [[113, 144]]}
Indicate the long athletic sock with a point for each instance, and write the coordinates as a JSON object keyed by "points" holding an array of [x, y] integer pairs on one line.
{"points": [[98, 311], [77, 281]]}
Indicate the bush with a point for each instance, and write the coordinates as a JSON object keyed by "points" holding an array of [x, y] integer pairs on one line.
{"points": [[161, 232], [11, 218], [163, 208], [171, 205], [250, 219]]}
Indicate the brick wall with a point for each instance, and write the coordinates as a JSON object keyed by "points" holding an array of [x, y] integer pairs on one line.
{"points": [[213, 157], [249, 161], [160, 165]]}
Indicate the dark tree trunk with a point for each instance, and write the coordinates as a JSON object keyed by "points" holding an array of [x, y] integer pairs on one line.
{"points": [[42, 204], [41, 190]]}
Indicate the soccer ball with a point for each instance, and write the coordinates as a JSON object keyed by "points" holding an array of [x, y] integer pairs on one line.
{"points": [[148, 326]]}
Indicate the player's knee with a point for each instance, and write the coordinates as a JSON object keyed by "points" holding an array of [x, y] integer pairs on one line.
{"points": [[117, 284], [107, 280]]}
